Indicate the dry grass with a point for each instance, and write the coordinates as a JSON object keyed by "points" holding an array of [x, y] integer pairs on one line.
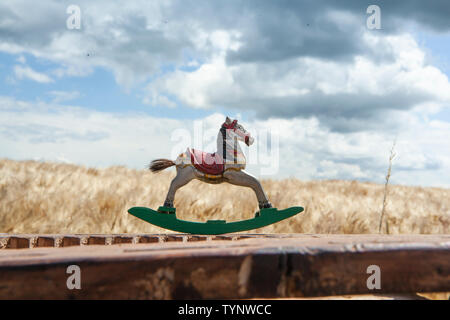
{"points": [[38, 197]]}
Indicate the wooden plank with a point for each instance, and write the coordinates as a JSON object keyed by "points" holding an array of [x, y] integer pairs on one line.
{"points": [[68, 241], [120, 239], [265, 267], [18, 242], [45, 241], [148, 239], [96, 240]]}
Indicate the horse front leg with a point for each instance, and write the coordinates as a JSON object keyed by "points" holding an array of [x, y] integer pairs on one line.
{"points": [[184, 175], [244, 179]]}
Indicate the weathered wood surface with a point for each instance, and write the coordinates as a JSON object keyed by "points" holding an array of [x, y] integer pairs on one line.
{"points": [[249, 266]]}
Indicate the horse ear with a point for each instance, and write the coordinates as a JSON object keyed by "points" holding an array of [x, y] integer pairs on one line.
{"points": [[228, 120]]}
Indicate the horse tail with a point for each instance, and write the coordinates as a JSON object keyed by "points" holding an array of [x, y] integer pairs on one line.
{"points": [[160, 164]]}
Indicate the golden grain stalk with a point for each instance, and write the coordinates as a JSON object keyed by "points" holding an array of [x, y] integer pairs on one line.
{"points": [[388, 175]]}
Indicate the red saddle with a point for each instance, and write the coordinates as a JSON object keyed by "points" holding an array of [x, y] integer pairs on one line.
{"points": [[210, 163]]}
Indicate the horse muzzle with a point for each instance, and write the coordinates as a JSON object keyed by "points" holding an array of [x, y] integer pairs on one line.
{"points": [[249, 140]]}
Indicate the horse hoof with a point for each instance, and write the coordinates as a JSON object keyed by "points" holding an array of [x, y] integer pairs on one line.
{"points": [[166, 210], [168, 204], [265, 205]]}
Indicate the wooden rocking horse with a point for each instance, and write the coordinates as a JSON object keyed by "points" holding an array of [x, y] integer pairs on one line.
{"points": [[227, 164]]}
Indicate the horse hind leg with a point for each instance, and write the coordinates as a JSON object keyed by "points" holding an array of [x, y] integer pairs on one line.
{"points": [[184, 175]]}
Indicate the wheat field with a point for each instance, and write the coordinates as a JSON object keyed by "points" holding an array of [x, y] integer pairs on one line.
{"points": [[42, 197]]}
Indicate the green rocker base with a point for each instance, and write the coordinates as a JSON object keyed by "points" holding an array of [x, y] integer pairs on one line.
{"points": [[166, 218]]}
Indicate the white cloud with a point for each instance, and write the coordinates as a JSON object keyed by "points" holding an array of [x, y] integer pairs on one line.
{"points": [[21, 59], [334, 91], [155, 98], [197, 88], [133, 39], [61, 96], [22, 72], [47, 131]]}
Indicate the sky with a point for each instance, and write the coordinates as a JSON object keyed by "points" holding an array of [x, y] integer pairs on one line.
{"points": [[323, 92]]}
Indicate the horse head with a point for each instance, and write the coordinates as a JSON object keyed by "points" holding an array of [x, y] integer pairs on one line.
{"points": [[236, 129]]}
